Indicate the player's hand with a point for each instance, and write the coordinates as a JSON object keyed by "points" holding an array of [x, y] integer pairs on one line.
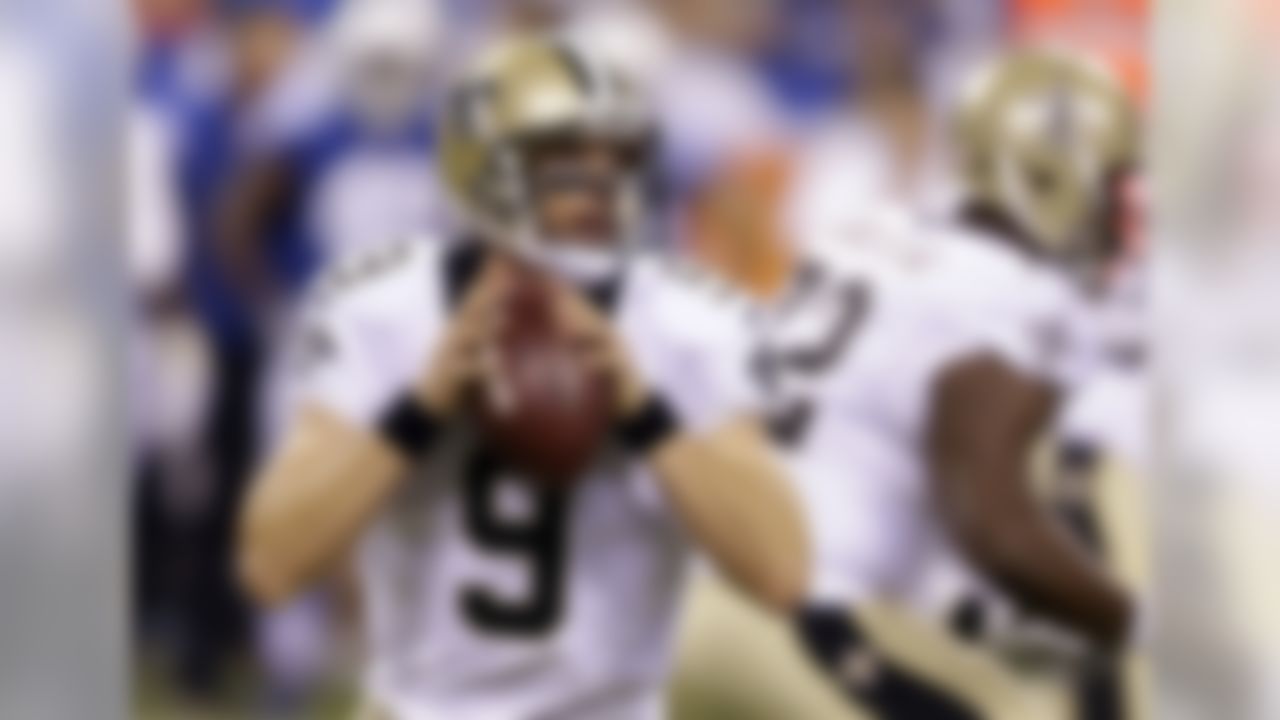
{"points": [[465, 356], [1039, 647], [591, 330], [1034, 645]]}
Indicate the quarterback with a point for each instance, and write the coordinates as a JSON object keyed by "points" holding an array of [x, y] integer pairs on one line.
{"points": [[490, 593], [914, 375]]}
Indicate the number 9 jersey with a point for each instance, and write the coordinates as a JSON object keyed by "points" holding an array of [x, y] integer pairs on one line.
{"points": [[486, 598]]}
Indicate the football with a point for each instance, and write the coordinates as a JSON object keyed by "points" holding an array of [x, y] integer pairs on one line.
{"points": [[544, 410]]}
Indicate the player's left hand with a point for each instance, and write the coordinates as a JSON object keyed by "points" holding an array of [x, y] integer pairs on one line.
{"points": [[591, 330], [1036, 646]]}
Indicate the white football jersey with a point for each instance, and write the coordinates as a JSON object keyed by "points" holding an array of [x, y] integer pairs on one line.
{"points": [[1107, 410], [1045, 324], [485, 598], [1044, 321], [852, 355]]}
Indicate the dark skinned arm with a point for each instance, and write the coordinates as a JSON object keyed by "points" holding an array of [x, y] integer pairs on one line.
{"points": [[253, 200], [986, 419]]}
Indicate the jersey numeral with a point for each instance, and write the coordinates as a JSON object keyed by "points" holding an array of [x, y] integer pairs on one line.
{"points": [[791, 419], [540, 538]]}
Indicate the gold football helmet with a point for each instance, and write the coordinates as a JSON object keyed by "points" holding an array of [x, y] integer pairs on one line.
{"points": [[522, 90], [1042, 138]]}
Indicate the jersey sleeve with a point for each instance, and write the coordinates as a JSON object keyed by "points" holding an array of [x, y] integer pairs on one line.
{"points": [[1044, 339], [1030, 313], [359, 344], [715, 382], [1047, 338], [694, 346], [931, 338], [695, 342], [331, 368], [730, 388]]}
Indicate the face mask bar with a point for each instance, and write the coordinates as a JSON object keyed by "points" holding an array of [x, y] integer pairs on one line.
{"points": [[577, 261]]}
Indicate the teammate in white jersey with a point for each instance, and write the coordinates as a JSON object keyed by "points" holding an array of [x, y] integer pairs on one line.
{"points": [[913, 377], [488, 597]]}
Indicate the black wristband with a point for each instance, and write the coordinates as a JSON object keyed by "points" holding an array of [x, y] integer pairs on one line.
{"points": [[409, 427], [836, 642], [648, 427]]}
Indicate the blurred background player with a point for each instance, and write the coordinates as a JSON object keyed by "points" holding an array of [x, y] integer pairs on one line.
{"points": [[204, 73], [885, 149], [486, 592], [340, 143], [343, 155], [170, 365], [1044, 143], [725, 134], [1047, 144]]}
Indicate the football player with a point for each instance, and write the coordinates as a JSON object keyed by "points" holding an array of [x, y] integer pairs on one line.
{"points": [[914, 375], [487, 595], [1075, 195]]}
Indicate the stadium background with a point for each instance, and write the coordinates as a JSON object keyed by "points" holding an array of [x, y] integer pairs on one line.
{"points": [[783, 119]]}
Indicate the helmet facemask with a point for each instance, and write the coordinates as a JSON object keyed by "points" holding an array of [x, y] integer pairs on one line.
{"points": [[1046, 142], [553, 161], [580, 200]]}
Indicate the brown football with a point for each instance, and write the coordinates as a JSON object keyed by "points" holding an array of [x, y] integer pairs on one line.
{"points": [[545, 411]]}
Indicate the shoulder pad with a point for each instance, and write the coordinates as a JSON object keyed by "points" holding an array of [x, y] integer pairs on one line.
{"points": [[701, 279], [366, 267]]}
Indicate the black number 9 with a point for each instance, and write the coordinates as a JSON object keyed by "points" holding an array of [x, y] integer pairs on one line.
{"points": [[540, 539]]}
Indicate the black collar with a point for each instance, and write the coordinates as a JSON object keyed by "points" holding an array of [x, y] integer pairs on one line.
{"points": [[462, 265], [998, 227]]}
